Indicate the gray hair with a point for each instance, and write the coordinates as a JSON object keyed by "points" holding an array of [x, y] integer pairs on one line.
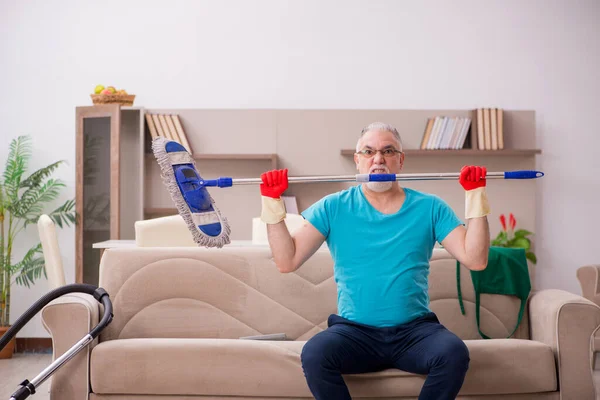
{"points": [[380, 127]]}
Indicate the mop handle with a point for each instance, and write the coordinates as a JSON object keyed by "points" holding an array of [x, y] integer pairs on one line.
{"points": [[227, 182]]}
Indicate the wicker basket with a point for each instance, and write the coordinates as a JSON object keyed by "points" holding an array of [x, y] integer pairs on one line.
{"points": [[122, 99]]}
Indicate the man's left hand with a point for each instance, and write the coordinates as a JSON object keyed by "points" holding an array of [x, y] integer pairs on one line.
{"points": [[472, 177], [473, 180]]}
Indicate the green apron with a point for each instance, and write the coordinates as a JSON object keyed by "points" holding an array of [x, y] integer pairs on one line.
{"points": [[506, 273]]}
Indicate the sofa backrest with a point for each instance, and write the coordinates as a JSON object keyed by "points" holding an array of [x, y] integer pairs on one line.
{"points": [[193, 292]]}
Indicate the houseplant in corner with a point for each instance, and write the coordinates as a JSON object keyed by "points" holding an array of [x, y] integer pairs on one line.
{"points": [[509, 237], [22, 201]]}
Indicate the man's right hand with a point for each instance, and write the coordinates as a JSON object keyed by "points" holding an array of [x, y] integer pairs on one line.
{"points": [[275, 182], [289, 253]]}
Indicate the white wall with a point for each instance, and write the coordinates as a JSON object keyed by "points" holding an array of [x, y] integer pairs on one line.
{"points": [[540, 55]]}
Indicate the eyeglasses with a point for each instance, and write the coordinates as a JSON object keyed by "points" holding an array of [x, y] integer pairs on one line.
{"points": [[388, 152]]}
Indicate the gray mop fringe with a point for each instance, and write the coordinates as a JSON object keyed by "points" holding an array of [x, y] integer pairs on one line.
{"points": [[168, 178]]}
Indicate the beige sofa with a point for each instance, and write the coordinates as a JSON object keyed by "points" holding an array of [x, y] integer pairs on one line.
{"points": [[589, 279], [179, 314]]}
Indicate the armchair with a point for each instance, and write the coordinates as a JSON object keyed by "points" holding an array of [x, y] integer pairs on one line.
{"points": [[589, 279]]}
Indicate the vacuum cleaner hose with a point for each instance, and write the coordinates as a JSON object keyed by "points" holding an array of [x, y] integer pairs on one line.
{"points": [[99, 294]]}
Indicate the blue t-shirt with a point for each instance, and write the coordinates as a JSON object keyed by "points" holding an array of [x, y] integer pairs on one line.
{"points": [[381, 261]]}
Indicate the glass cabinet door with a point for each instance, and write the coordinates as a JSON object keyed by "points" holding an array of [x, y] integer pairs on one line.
{"points": [[97, 186]]}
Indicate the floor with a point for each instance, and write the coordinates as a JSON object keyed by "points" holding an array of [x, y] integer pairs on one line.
{"points": [[27, 366]]}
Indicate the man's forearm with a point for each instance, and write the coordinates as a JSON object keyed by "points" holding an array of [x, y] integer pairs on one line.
{"points": [[282, 246], [477, 242]]}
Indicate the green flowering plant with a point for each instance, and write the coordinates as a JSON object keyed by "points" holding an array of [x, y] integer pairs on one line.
{"points": [[509, 237]]}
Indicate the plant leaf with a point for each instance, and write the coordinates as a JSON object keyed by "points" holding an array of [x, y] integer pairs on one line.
{"points": [[64, 214], [36, 178], [30, 206], [30, 268], [522, 243], [522, 233], [2, 205], [500, 240], [16, 165], [531, 257]]}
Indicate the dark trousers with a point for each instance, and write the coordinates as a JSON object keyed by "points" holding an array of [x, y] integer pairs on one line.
{"points": [[423, 346]]}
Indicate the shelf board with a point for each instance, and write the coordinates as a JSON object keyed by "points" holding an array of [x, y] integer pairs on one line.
{"points": [[160, 211], [461, 152]]}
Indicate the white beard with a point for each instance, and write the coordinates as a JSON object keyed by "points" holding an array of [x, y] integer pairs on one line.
{"points": [[380, 186]]}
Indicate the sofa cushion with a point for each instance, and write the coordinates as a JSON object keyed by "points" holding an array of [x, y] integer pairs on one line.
{"points": [[233, 367]]}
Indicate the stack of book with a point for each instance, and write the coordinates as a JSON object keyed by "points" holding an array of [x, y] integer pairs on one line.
{"points": [[169, 127], [445, 133], [451, 133], [490, 129]]}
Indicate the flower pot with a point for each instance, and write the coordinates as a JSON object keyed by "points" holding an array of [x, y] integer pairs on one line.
{"points": [[8, 351]]}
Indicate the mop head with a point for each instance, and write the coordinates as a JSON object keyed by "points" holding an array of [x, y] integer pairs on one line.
{"points": [[194, 203]]}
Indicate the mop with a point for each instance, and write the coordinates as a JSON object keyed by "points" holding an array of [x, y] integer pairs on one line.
{"points": [[204, 220], [187, 188]]}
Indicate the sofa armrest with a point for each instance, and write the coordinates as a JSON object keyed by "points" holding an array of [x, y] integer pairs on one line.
{"points": [[566, 322], [68, 319], [589, 280]]}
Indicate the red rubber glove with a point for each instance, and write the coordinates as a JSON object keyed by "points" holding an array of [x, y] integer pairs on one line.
{"points": [[275, 182], [472, 177]]}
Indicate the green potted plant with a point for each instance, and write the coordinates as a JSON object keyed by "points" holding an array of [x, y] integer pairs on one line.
{"points": [[509, 237], [22, 201]]}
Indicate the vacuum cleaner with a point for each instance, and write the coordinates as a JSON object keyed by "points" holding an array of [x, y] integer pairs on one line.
{"points": [[27, 388], [204, 220]]}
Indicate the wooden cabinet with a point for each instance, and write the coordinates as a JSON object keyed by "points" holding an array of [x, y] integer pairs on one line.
{"points": [[109, 180]]}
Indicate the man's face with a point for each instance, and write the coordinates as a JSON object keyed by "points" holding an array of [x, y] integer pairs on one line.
{"points": [[378, 163]]}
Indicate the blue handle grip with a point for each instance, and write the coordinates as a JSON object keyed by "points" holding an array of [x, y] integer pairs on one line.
{"points": [[382, 177], [525, 174], [225, 182], [220, 182]]}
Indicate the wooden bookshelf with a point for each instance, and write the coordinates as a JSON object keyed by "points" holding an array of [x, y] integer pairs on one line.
{"points": [[461, 152], [244, 143]]}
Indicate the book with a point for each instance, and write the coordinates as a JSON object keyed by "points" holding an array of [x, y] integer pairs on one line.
{"points": [[151, 127], [494, 129], [167, 126], [427, 133], [185, 143]]}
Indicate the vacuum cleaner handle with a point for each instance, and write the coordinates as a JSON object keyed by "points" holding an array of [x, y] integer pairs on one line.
{"points": [[227, 182], [28, 388]]}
